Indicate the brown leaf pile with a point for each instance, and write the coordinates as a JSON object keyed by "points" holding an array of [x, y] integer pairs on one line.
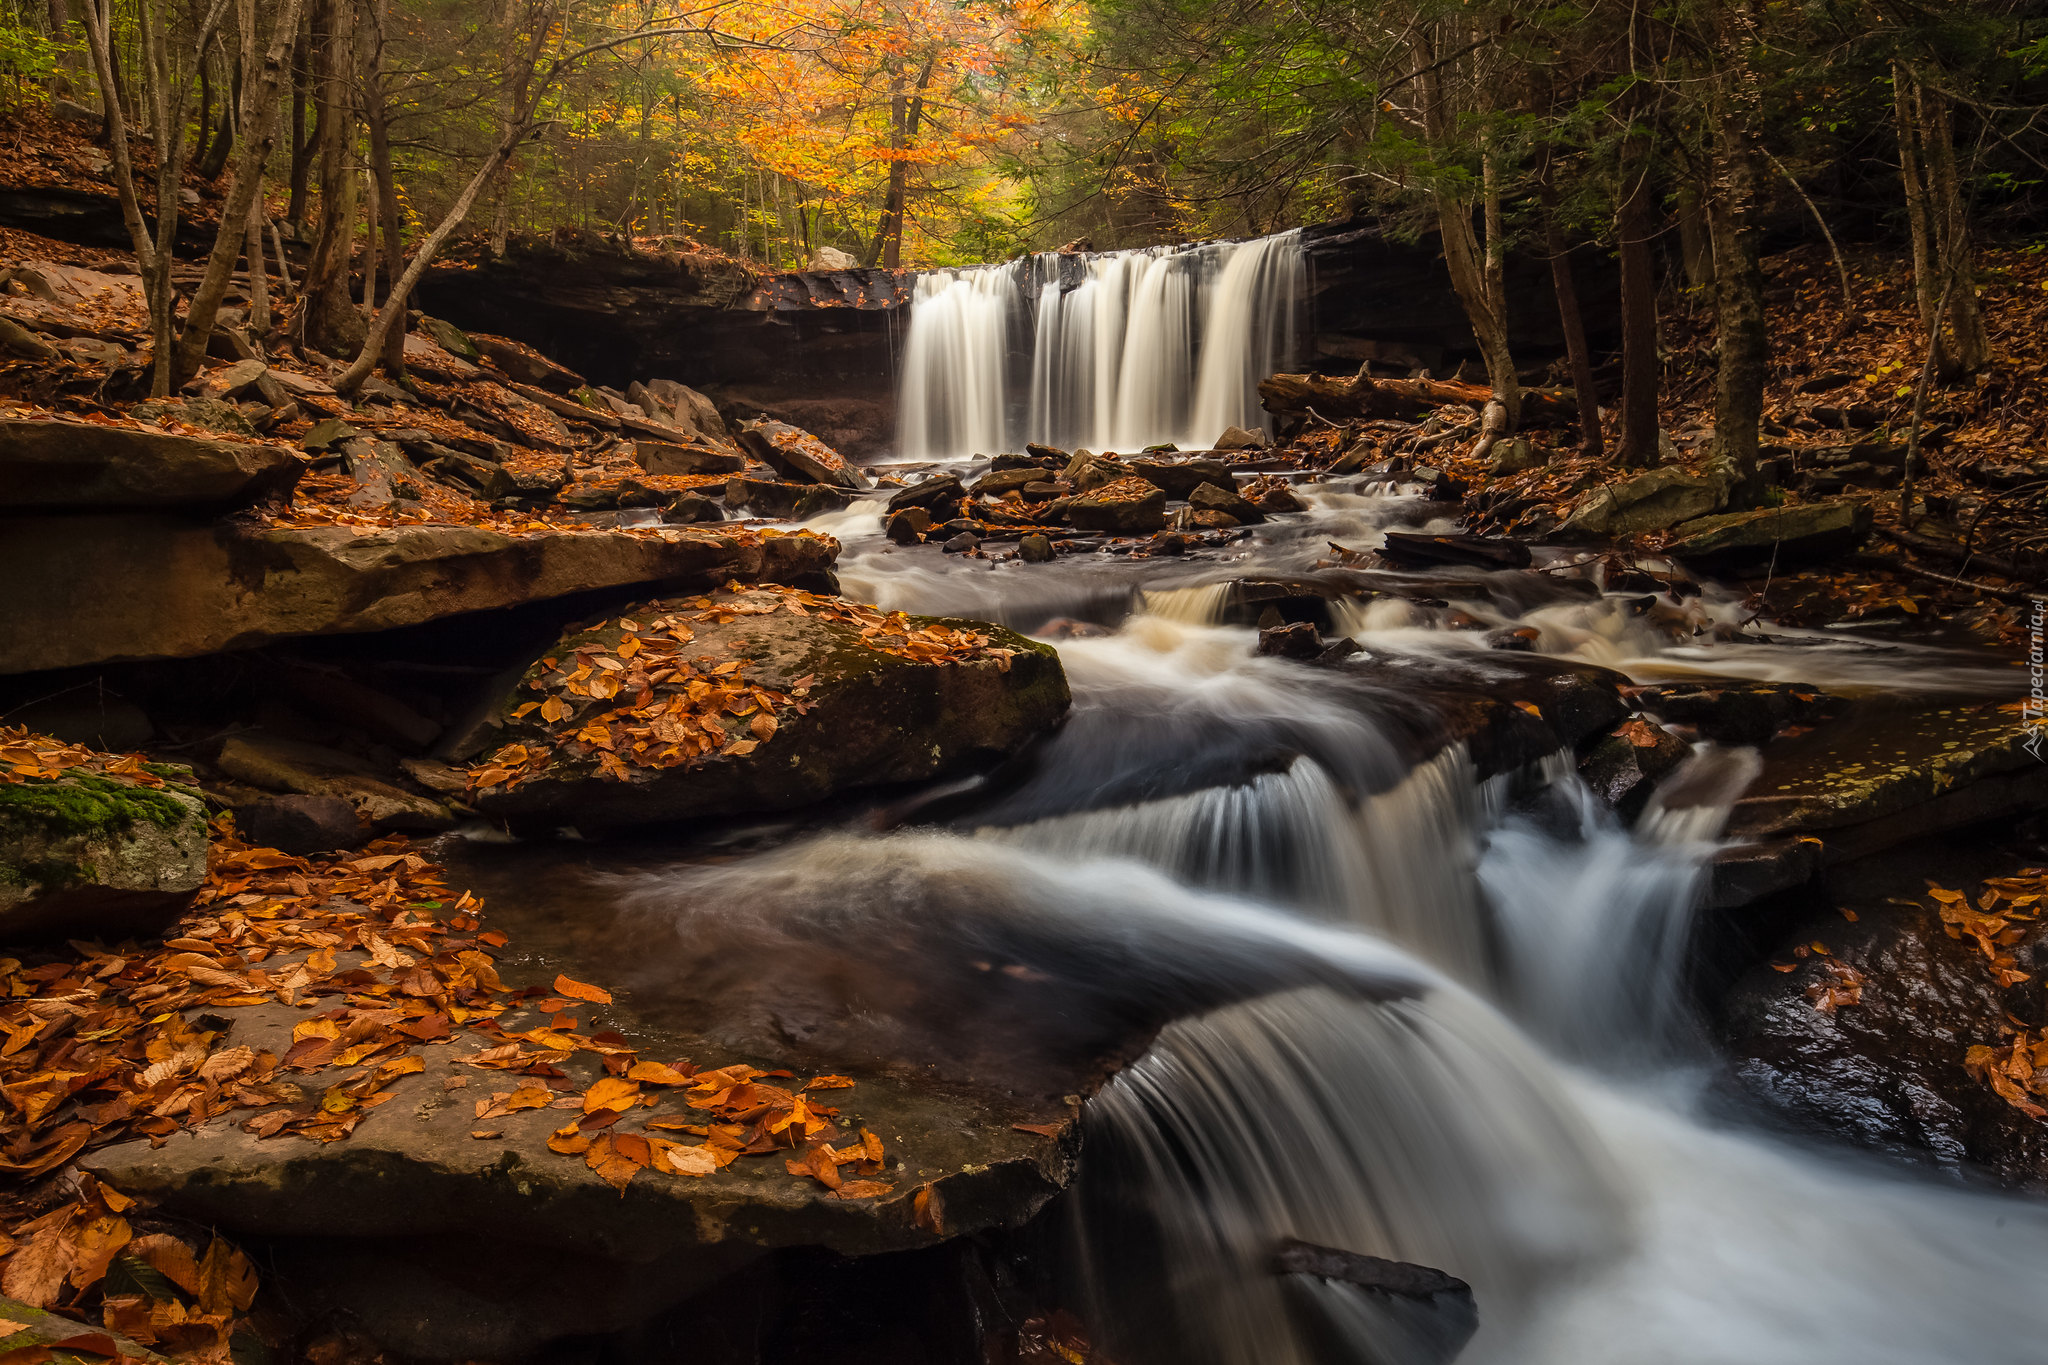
{"points": [[27, 757], [639, 702], [2016, 1068], [153, 1288]]}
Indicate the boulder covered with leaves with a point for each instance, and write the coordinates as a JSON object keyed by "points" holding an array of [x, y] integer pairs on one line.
{"points": [[93, 845], [757, 699]]}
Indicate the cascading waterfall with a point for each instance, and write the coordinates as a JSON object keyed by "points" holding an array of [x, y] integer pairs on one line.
{"points": [[1111, 351]]}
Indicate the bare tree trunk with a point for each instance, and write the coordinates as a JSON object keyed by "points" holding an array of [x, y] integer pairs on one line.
{"points": [[1695, 242], [383, 182], [1740, 323], [906, 114], [1591, 438], [259, 277], [305, 54], [369, 242], [326, 318], [262, 92], [1936, 214], [1641, 370]]}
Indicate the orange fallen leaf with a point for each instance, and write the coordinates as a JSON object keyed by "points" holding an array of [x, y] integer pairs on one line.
{"points": [[577, 990]]}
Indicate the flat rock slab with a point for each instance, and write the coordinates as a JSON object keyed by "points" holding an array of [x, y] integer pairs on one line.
{"points": [[93, 590], [446, 1245], [87, 466], [1881, 776]]}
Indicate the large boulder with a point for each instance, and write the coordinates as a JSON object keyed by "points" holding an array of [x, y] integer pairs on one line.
{"points": [[1788, 535], [85, 466], [1180, 478], [797, 455], [1125, 506], [768, 699], [71, 600], [1655, 501], [99, 848]]}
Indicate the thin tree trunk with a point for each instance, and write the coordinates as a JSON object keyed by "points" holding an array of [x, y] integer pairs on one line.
{"points": [[370, 224], [1641, 370], [1591, 438], [305, 54], [1972, 344], [1695, 242], [1927, 280], [259, 277], [1740, 323], [261, 95], [906, 113], [383, 181], [326, 318]]}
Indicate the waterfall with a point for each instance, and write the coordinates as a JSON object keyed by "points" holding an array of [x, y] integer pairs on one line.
{"points": [[1125, 349]]}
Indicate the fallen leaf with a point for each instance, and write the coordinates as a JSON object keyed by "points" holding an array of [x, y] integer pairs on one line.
{"points": [[577, 990]]}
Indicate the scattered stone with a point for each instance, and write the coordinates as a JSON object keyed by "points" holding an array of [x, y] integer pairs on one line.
{"points": [[1278, 500], [1047, 491], [450, 338], [18, 340], [832, 258], [1655, 501], [796, 454], [1044, 465], [1125, 506], [964, 543], [909, 526], [233, 382], [1238, 438], [326, 434], [1035, 549], [1210, 497], [934, 494], [1736, 712], [1294, 640], [1088, 472], [1518, 639], [1431, 1314], [1180, 478], [1791, 535], [998, 482], [784, 501], [1514, 456], [70, 111], [1829, 382], [659, 457], [300, 825], [521, 362], [692, 509], [223, 419], [90, 855], [1483, 552], [1624, 768], [288, 765], [382, 473], [1051, 455], [1854, 417], [80, 466]]}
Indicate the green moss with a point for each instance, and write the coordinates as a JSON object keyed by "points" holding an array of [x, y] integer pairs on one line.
{"points": [[83, 802]]}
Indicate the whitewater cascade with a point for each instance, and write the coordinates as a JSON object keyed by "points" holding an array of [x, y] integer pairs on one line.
{"points": [[1110, 351]]}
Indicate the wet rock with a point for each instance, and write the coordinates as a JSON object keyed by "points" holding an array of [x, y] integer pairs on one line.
{"points": [[293, 766], [1417, 1314], [521, 362], [998, 482], [796, 454], [908, 526], [690, 509], [1045, 464], [962, 544], [1237, 438], [1520, 639], [1123, 506], [1209, 497], [1880, 776], [300, 825], [1295, 640], [874, 718], [784, 501], [90, 855], [84, 466], [1654, 501], [1180, 478], [1047, 491], [1624, 768], [218, 589], [1088, 471], [1051, 455], [1514, 456], [1277, 500], [1736, 712], [933, 495], [1791, 535], [660, 457], [1483, 552], [1882, 1066], [1035, 549]]}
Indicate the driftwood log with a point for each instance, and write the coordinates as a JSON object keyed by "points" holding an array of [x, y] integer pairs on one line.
{"points": [[1339, 399]]}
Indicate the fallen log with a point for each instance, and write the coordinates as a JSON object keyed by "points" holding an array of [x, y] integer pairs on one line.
{"points": [[1339, 399]]}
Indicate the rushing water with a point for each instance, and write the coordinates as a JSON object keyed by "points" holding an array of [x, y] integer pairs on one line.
{"points": [[1111, 351], [1417, 1015]]}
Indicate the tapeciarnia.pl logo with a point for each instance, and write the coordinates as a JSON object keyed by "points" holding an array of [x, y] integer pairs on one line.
{"points": [[2035, 714]]}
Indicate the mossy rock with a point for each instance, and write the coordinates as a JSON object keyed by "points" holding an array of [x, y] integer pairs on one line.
{"points": [[87, 855], [874, 719]]}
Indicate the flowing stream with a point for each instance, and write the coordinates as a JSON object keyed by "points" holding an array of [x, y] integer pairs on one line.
{"points": [[1111, 351], [1421, 1016]]}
